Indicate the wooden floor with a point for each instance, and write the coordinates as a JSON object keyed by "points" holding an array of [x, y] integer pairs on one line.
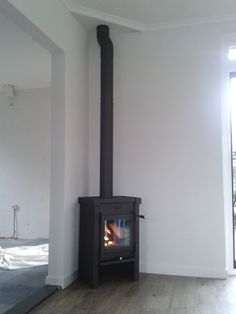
{"points": [[153, 294]]}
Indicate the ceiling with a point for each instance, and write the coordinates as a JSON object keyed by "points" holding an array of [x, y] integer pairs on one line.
{"points": [[23, 62], [149, 12]]}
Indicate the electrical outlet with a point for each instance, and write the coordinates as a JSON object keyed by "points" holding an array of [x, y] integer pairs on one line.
{"points": [[15, 207]]}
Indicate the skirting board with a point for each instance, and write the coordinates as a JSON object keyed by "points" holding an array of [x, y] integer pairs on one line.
{"points": [[174, 270], [62, 282]]}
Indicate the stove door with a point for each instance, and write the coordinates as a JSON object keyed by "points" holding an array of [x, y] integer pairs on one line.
{"points": [[117, 238]]}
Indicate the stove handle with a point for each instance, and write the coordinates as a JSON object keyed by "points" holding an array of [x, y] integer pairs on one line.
{"points": [[142, 216]]}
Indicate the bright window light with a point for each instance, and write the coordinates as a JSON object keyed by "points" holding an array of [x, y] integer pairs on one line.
{"points": [[232, 53]]}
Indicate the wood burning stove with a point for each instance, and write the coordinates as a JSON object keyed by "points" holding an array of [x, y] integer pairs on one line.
{"points": [[109, 225], [109, 235]]}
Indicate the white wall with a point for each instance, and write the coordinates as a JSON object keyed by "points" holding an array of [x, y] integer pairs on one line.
{"points": [[23, 63], [57, 30], [167, 143], [25, 163]]}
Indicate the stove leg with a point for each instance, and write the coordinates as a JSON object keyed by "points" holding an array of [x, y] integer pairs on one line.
{"points": [[94, 280], [136, 271]]}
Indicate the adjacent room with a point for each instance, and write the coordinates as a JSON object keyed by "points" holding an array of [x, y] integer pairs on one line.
{"points": [[25, 102]]}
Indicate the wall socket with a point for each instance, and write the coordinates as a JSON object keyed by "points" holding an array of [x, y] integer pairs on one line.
{"points": [[15, 207]]}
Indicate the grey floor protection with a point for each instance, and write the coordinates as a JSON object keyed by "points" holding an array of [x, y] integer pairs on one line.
{"points": [[17, 285]]}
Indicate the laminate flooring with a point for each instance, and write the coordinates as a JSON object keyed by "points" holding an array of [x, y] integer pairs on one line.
{"points": [[152, 294]]}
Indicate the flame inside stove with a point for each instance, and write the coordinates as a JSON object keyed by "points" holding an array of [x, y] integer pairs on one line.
{"points": [[117, 232], [113, 233]]}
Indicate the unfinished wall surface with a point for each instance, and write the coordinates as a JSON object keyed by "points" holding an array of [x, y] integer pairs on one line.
{"points": [[168, 143], [25, 163]]}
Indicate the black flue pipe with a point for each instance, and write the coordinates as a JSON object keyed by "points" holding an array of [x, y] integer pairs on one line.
{"points": [[106, 136]]}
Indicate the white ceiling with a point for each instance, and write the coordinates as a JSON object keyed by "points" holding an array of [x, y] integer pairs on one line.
{"points": [[23, 62], [161, 11]]}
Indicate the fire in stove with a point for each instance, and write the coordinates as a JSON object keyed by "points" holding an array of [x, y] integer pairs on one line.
{"points": [[116, 233]]}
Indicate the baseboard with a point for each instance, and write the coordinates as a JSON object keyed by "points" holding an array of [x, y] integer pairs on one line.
{"points": [[62, 282], [69, 279], [176, 270], [53, 281]]}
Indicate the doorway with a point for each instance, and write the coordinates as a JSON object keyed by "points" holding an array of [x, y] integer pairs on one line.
{"points": [[25, 132]]}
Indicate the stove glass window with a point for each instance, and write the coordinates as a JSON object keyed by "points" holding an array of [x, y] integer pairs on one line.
{"points": [[117, 232]]}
